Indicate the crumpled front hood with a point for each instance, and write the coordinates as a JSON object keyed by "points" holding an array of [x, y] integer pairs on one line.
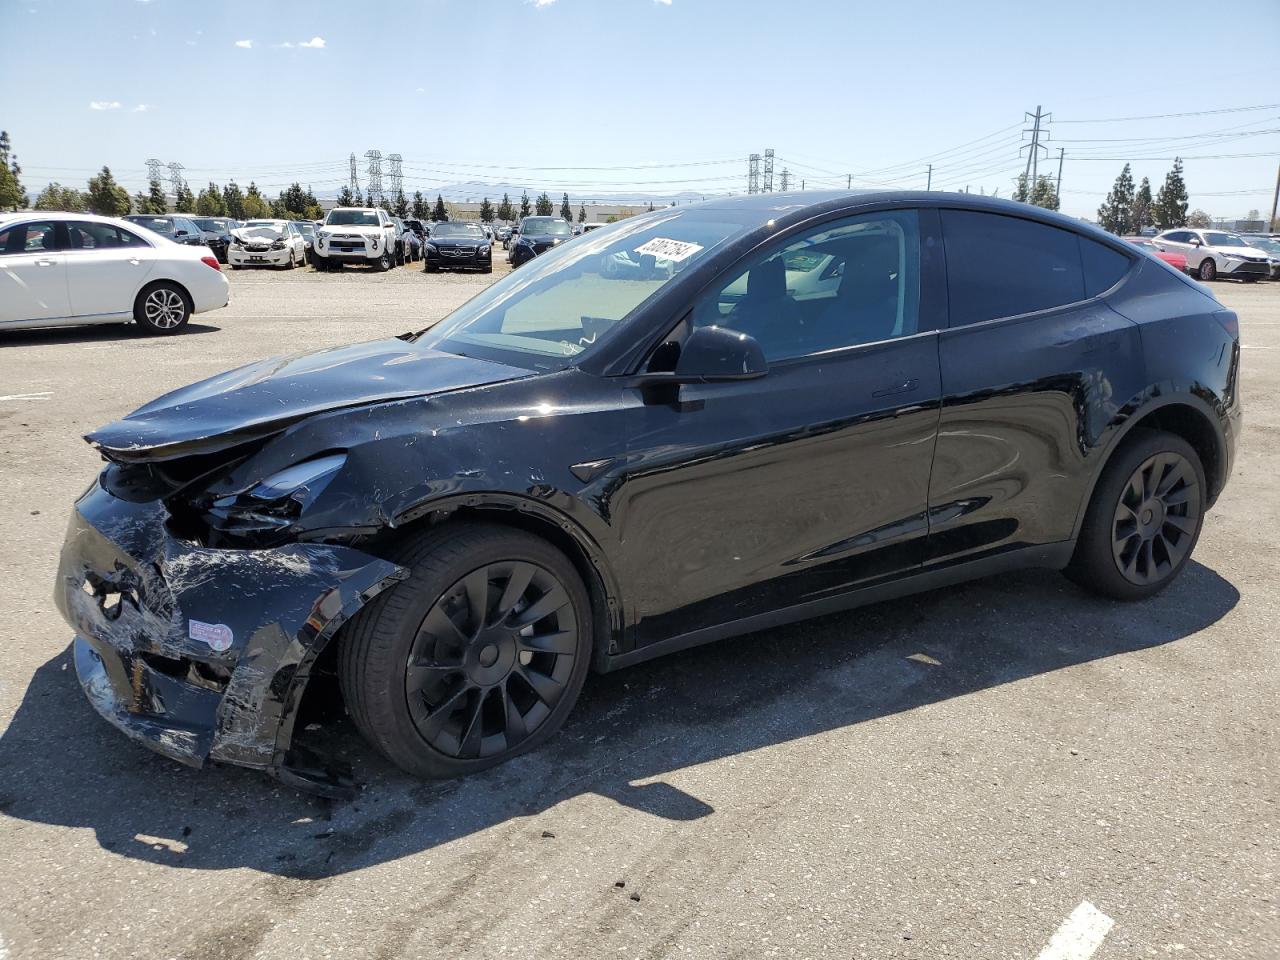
{"points": [[264, 397]]}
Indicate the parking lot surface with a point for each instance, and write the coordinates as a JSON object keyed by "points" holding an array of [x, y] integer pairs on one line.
{"points": [[950, 775]]}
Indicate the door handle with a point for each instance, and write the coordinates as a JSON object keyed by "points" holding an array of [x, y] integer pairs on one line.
{"points": [[906, 386], [46, 263], [135, 261]]}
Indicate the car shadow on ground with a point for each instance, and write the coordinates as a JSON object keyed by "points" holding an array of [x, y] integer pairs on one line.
{"points": [[93, 333], [62, 765]]}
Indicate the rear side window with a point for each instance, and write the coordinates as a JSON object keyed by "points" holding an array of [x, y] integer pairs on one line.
{"points": [[1000, 266], [1103, 267], [88, 235]]}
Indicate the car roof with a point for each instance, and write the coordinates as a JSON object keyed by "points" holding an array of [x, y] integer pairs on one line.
{"points": [[64, 215]]}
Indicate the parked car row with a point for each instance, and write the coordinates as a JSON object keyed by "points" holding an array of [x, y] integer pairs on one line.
{"points": [[1213, 254]]}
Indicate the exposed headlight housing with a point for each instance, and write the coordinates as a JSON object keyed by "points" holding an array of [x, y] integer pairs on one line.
{"points": [[274, 504], [483, 249]]}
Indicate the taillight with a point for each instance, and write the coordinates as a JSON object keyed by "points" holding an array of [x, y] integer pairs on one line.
{"points": [[213, 262], [1230, 322]]}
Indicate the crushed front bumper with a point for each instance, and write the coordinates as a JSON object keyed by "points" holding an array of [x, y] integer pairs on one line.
{"points": [[201, 654]]}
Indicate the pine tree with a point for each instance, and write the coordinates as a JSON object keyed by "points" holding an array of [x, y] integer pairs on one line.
{"points": [[543, 205], [1044, 194], [106, 197], [438, 213], [345, 198], [255, 204], [401, 205], [486, 211], [233, 200], [1142, 214], [12, 196], [506, 212], [1116, 212], [566, 211], [1171, 202], [210, 202], [184, 201], [155, 201], [651, 206], [420, 208], [582, 213], [525, 209], [1022, 189]]}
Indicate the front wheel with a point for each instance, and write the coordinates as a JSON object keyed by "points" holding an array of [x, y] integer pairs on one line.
{"points": [[478, 656], [1144, 518], [1208, 269], [162, 309], [385, 262]]}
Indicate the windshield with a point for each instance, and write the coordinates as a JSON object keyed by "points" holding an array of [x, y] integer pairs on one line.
{"points": [[1265, 243], [158, 225], [306, 228], [456, 230], [559, 305], [352, 218], [1224, 240], [263, 228], [210, 225], [545, 227]]}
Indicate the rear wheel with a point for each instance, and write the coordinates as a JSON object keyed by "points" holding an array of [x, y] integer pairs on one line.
{"points": [[1144, 518], [162, 308], [1208, 269], [478, 656]]}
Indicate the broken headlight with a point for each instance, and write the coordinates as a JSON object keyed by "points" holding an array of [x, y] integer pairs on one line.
{"points": [[274, 504]]}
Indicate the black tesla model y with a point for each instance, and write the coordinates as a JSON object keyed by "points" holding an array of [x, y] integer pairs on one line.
{"points": [[694, 423]]}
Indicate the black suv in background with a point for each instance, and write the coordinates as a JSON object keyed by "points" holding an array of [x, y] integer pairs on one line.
{"points": [[457, 244], [217, 234], [537, 235], [175, 228]]}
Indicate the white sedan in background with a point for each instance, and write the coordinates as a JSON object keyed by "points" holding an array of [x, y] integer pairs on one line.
{"points": [[267, 243], [62, 269]]}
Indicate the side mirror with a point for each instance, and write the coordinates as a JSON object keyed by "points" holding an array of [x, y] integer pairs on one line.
{"points": [[1195, 241], [712, 355], [181, 233]]}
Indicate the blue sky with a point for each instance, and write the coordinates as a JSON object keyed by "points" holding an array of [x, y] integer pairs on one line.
{"points": [[663, 96]]}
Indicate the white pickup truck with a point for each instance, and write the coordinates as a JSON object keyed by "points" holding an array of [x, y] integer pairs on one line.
{"points": [[356, 235]]}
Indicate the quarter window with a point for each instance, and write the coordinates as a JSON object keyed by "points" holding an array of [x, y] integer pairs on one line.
{"points": [[1000, 266], [1103, 266], [839, 285], [39, 237]]}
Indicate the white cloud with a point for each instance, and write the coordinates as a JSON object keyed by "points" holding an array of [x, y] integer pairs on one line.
{"points": [[244, 44], [141, 108], [315, 43], [420, 90], [665, 3], [285, 46], [104, 104], [540, 3]]}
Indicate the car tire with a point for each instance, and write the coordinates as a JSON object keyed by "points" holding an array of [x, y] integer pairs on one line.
{"points": [[1208, 269], [162, 308], [385, 262], [1144, 518], [291, 262], [432, 268], [488, 268], [445, 674]]}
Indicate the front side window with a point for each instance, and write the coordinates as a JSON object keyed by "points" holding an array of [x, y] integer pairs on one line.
{"points": [[1224, 240], [38, 237], [999, 266], [842, 284]]}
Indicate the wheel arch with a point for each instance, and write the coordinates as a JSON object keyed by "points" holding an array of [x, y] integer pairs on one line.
{"points": [[153, 282]]}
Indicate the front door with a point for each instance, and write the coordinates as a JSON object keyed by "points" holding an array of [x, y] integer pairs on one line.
{"points": [[33, 274], [740, 498], [106, 267]]}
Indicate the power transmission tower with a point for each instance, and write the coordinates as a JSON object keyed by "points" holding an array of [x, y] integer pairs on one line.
{"points": [[397, 178], [786, 179], [753, 173], [768, 170], [176, 180], [1035, 146], [354, 185], [153, 169], [375, 175]]}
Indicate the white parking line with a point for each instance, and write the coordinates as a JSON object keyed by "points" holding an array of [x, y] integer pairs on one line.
{"points": [[1080, 934], [42, 395]]}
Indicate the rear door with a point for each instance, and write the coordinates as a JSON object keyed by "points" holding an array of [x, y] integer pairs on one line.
{"points": [[33, 273], [743, 498], [1034, 367], [107, 266]]}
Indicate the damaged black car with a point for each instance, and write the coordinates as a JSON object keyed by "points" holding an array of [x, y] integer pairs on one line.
{"points": [[686, 426]]}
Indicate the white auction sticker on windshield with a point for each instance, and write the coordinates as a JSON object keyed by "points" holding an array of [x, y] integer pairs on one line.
{"points": [[665, 249]]}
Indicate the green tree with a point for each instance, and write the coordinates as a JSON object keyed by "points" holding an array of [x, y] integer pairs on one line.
{"points": [[401, 204], [155, 201], [210, 202], [184, 201], [57, 197], [1022, 189], [566, 211], [345, 197], [233, 200], [420, 208], [486, 211], [106, 197], [1143, 214], [255, 204], [1198, 218], [543, 205], [582, 214], [12, 196], [1044, 193], [1171, 202], [651, 206], [525, 209], [438, 213], [1116, 211], [506, 212]]}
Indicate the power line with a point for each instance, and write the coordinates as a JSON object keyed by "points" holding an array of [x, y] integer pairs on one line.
{"points": [[1171, 116]]}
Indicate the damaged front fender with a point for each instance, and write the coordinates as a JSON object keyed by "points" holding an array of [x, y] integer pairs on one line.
{"points": [[202, 653]]}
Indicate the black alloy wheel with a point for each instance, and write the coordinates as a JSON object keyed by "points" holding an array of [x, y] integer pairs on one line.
{"points": [[478, 656]]}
